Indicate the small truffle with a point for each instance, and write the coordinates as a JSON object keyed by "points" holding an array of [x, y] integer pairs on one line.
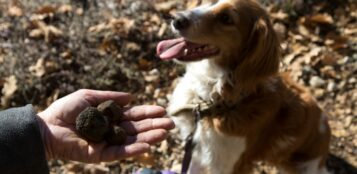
{"points": [[111, 110], [116, 136], [91, 124]]}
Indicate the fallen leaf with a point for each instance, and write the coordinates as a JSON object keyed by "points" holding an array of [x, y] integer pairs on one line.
{"points": [[144, 65], [350, 31], [152, 76], [146, 159], [80, 11], [193, 3], [322, 18], [36, 33], [328, 71], [15, 11], [10, 87], [42, 67], [98, 28], [280, 15], [328, 59], [66, 55], [165, 6], [309, 58], [122, 26], [47, 9], [96, 168], [65, 8], [162, 30], [48, 31]]}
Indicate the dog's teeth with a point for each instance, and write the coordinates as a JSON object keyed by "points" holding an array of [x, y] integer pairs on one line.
{"points": [[211, 47], [185, 52]]}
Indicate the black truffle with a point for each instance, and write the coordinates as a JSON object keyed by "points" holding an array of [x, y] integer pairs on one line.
{"points": [[91, 125], [111, 110], [116, 136]]}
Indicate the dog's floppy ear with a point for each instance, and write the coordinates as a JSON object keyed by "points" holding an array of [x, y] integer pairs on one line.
{"points": [[261, 56]]}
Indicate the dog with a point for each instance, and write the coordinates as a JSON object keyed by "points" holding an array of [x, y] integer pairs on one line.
{"points": [[249, 111]]}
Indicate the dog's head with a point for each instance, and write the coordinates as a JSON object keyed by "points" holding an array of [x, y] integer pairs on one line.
{"points": [[237, 34]]}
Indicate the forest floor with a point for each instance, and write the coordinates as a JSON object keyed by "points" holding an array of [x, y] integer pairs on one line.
{"points": [[50, 48]]}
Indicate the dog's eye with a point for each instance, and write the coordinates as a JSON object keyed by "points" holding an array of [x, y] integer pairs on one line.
{"points": [[225, 19]]}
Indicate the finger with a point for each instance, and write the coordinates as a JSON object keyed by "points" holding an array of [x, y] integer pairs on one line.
{"points": [[142, 112], [113, 153], [135, 127], [95, 97], [150, 137]]}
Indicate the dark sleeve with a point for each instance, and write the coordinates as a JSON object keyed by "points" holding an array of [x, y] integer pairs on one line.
{"points": [[21, 147]]}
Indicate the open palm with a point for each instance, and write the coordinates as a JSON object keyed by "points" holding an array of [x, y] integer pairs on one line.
{"points": [[145, 125]]}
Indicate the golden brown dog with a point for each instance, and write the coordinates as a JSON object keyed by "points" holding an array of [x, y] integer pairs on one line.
{"points": [[232, 58]]}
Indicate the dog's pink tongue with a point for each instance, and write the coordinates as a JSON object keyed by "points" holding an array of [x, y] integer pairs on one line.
{"points": [[171, 49]]}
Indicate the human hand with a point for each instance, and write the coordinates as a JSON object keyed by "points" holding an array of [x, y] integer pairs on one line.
{"points": [[143, 124]]}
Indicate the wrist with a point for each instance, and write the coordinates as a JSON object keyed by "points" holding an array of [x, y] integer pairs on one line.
{"points": [[44, 130]]}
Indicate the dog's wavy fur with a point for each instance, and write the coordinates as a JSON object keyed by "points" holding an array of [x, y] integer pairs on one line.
{"points": [[273, 119]]}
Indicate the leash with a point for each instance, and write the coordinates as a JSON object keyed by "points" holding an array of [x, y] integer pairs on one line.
{"points": [[189, 146], [199, 110]]}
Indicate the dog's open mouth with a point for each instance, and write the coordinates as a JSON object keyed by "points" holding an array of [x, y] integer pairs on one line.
{"points": [[184, 50]]}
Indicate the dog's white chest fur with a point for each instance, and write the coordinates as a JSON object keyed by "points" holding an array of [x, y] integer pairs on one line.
{"points": [[213, 151], [216, 152]]}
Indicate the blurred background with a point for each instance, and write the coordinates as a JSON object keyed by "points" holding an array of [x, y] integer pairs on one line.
{"points": [[49, 48]]}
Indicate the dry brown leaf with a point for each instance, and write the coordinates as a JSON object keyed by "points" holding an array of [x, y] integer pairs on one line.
{"points": [[122, 25], [336, 41], [36, 33], [65, 8], [15, 11], [350, 31], [310, 57], [192, 4], [98, 28], [146, 159], [48, 9], [303, 30], [144, 64], [66, 55], [165, 6], [322, 18], [155, 19], [10, 87], [39, 68], [79, 11], [329, 59], [96, 168], [48, 31], [280, 15], [162, 30], [42, 67]]}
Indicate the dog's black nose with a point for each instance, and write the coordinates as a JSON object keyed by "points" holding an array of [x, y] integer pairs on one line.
{"points": [[181, 22]]}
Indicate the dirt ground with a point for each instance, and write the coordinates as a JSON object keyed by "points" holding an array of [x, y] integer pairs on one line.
{"points": [[51, 48]]}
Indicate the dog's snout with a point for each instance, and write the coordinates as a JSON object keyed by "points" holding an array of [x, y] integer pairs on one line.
{"points": [[181, 22]]}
